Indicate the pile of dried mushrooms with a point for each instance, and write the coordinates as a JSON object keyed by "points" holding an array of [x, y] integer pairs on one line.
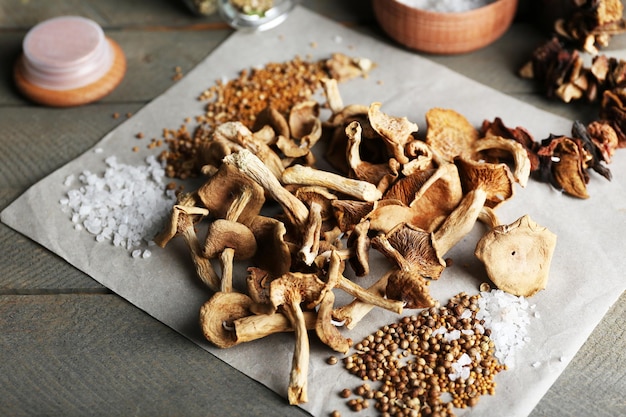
{"points": [[303, 231], [558, 66]]}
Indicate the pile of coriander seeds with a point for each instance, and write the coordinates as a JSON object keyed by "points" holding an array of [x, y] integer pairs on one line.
{"points": [[426, 364]]}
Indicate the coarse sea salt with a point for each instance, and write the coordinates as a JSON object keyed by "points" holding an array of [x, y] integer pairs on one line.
{"points": [[508, 317], [126, 205], [446, 6]]}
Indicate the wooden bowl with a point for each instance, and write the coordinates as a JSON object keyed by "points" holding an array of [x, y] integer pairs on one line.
{"points": [[444, 32]]}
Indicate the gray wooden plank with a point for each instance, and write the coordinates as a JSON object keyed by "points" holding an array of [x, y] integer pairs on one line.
{"points": [[77, 355], [594, 382], [97, 355], [151, 56], [19, 14]]}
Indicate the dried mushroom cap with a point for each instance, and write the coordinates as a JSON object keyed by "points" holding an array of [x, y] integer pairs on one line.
{"points": [[258, 285], [449, 133], [326, 331], [566, 165], [380, 174], [495, 179], [220, 192], [605, 138], [411, 249], [396, 131], [273, 118], [348, 213], [272, 254], [517, 257], [421, 158], [342, 67], [304, 118], [430, 194], [223, 234], [521, 172], [218, 314]]}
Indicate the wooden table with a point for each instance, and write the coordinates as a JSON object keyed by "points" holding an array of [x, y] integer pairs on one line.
{"points": [[69, 347]]}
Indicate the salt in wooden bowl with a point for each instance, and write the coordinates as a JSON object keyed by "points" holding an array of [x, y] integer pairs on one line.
{"points": [[453, 32]]}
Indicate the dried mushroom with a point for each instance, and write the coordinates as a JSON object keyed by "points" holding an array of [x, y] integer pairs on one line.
{"points": [[396, 131], [449, 133], [411, 199], [592, 23], [517, 256], [415, 259], [182, 220], [226, 320]]}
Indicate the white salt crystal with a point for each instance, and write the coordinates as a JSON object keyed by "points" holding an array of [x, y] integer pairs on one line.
{"points": [[69, 180], [125, 205], [508, 318], [136, 253], [461, 368], [536, 364], [446, 6]]}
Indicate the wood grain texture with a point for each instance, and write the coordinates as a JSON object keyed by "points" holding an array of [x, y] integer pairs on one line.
{"points": [[96, 355], [69, 347]]}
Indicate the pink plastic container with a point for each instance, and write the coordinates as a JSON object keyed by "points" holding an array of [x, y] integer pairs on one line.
{"points": [[68, 60]]}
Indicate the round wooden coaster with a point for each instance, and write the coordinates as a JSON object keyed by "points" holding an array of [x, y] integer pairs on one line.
{"points": [[77, 96]]}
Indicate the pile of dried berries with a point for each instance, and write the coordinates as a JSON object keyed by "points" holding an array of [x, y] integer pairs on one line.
{"points": [[277, 85], [422, 359]]}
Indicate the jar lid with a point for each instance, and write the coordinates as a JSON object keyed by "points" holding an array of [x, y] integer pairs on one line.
{"points": [[255, 20], [68, 54]]}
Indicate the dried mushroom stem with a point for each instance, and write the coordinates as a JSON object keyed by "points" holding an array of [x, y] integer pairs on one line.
{"points": [[460, 222], [326, 331], [298, 381], [302, 175], [358, 292], [247, 163], [311, 236], [351, 314], [181, 223], [373, 299], [257, 326], [288, 292], [226, 262], [226, 320]]}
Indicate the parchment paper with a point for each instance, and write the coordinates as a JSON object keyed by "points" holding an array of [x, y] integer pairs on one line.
{"points": [[587, 269]]}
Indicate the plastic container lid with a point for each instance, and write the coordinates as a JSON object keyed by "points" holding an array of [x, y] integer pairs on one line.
{"points": [[66, 52], [68, 61]]}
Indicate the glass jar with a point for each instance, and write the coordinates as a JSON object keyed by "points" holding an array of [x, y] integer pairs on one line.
{"points": [[255, 14]]}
